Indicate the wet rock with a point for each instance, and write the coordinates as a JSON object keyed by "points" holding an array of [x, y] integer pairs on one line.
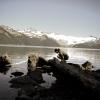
{"points": [[35, 62], [16, 74], [36, 75], [96, 74], [41, 62], [11, 76], [75, 65], [75, 76], [4, 69], [4, 64], [23, 97], [87, 65], [28, 87], [24, 80], [32, 61], [46, 69], [37, 97], [72, 83], [4, 61]]}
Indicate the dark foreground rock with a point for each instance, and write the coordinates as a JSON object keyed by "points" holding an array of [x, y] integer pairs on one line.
{"points": [[87, 82], [28, 86], [4, 61], [72, 83], [16, 74], [4, 64]]}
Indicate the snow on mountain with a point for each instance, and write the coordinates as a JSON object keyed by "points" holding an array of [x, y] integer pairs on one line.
{"points": [[10, 30], [13, 37], [67, 40], [71, 39], [31, 33]]}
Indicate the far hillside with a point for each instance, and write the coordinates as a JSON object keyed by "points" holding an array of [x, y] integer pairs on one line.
{"points": [[11, 36], [91, 44]]}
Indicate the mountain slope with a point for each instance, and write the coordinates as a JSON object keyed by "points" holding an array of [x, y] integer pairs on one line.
{"points": [[39, 38], [91, 44], [10, 36]]}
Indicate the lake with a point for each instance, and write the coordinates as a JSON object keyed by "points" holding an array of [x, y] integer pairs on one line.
{"points": [[18, 56]]}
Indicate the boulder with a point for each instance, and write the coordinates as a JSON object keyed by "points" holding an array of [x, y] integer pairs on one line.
{"points": [[72, 73]]}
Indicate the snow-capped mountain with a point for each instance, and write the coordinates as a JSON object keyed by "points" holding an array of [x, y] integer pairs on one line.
{"points": [[11, 36], [29, 36], [62, 39], [32, 33], [71, 39]]}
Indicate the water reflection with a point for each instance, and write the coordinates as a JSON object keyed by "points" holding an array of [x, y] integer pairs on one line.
{"points": [[80, 55], [20, 54], [73, 52], [85, 53], [23, 50]]}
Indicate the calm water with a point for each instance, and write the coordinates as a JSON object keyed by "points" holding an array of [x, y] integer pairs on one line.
{"points": [[19, 54]]}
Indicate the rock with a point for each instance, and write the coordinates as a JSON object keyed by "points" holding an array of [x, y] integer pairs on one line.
{"points": [[24, 80], [41, 62], [46, 69], [23, 97], [4, 61], [36, 97], [4, 64], [16, 74], [77, 76], [28, 87], [32, 61], [87, 65], [4, 69], [36, 75]]}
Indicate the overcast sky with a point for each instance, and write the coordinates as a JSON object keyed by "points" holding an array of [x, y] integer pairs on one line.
{"points": [[69, 17]]}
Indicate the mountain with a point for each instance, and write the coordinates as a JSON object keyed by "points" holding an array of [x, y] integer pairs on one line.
{"points": [[91, 44], [10, 36], [29, 36], [63, 40]]}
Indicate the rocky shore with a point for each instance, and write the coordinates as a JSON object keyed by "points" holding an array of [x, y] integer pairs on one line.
{"points": [[72, 83]]}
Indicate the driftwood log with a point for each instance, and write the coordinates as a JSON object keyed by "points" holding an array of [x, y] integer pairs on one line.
{"points": [[75, 75]]}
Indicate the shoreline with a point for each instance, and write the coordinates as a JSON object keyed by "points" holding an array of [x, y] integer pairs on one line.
{"points": [[49, 47]]}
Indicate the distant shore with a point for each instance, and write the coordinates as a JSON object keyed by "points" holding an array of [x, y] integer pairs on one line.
{"points": [[49, 47], [27, 46]]}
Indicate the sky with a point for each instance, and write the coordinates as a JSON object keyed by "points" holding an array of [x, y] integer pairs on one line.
{"points": [[67, 17]]}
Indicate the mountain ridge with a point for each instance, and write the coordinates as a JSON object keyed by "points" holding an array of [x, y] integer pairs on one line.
{"points": [[11, 36], [38, 38], [91, 44], [63, 40]]}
